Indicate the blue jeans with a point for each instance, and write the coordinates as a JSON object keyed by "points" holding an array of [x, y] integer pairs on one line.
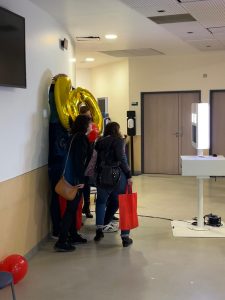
{"points": [[107, 203]]}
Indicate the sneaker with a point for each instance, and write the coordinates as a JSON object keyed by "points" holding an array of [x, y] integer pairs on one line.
{"points": [[115, 219], [127, 241], [64, 247], [111, 227], [99, 235], [78, 239]]}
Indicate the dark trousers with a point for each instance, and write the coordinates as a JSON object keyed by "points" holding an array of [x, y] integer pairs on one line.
{"points": [[68, 224], [86, 194]]}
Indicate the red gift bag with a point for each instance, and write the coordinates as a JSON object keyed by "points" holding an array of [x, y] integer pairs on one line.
{"points": [[63, 203], [128, 210]]}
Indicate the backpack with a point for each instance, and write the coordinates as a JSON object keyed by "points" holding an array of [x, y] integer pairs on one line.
{"points": [[109, 172]]}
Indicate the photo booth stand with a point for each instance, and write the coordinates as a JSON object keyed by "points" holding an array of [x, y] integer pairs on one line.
{"points": [[202, 167]]}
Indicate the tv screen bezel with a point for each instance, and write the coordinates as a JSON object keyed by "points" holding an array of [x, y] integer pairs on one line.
{"points": [[24, 34]]}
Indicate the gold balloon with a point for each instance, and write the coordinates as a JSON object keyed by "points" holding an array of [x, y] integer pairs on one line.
{"points": [[68, 102], [61, 93]]}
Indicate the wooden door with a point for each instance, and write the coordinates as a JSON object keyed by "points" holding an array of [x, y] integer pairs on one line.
{"points": [[167, 131], [160, 133], [217, 112], [184, 125]]}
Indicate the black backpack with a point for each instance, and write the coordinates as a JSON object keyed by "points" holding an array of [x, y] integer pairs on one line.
{"points": [[109, 172]]}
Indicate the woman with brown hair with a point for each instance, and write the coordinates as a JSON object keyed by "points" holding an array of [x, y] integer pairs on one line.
{"points": [[111, 152], [78, 158]]}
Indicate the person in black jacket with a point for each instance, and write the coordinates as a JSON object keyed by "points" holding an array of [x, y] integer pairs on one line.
{"points": [[85, 111], [111, 151], [78, 158]]}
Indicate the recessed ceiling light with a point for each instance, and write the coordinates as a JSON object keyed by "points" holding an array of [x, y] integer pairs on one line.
{"points": [[161, 11], [111, 36], [89, 59]]}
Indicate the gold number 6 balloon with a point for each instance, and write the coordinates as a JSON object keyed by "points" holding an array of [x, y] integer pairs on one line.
{"points": [[68, 101]]}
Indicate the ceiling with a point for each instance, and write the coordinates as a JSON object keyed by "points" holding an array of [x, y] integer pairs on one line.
{"points": [[144, 27]]}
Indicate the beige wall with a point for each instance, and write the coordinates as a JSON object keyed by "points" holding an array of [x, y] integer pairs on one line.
{"points": [[112, 81], [24, 212], [83, 79], [175, 73]]}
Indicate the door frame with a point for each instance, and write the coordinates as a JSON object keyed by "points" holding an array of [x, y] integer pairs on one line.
{"points": [[142, 116], [211, 114]]}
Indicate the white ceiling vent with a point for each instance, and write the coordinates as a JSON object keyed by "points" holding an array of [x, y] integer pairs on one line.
{"points": [[172, 19], [89, 38], [133, 52]]}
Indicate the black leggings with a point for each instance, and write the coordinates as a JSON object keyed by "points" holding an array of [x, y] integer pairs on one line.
{"points": [[68, 224]]}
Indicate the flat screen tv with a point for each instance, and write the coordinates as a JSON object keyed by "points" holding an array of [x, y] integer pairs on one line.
{"points": [[12, 49]]}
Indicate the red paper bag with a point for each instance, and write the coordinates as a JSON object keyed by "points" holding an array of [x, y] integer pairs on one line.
{"points": [[63, 203], [128, 210]]}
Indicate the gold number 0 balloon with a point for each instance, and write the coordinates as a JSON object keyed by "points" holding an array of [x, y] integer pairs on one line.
{"points": [[68, 102]]}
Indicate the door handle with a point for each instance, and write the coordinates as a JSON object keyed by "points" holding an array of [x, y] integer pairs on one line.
{"points": [[176, 134]]}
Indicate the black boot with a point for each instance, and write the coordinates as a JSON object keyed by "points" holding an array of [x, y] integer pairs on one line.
{"points": [[87, 213], [99, 235], [64, 247], [77, 239], [127, 241]]}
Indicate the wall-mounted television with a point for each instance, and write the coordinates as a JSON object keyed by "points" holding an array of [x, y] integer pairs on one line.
{"points": [[12, 49]]}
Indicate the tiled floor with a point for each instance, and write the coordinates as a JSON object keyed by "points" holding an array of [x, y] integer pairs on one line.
{"points": [[157, 266]]}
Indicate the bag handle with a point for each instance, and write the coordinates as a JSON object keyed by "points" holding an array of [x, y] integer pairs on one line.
{"points": [[67, 156], [129, 188]]}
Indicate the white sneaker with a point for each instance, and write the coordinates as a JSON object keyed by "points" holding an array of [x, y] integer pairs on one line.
{"points": [[111, 227]]}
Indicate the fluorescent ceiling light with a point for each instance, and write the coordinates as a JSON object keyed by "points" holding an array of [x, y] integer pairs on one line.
{"points": [[111, 36], [89, 59]]}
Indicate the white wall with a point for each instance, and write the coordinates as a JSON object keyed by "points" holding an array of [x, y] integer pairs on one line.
{"points": [[112, 81], [175, 73], [24, 130], [83, 79]]}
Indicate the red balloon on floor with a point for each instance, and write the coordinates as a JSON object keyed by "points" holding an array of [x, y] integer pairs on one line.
{"points": [[15, 264], [3, 266]]}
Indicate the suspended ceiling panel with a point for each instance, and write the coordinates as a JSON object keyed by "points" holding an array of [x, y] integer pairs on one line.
{"points": [[189, 31], [208, 45], [202, 14], [209, 13], [151, 8]]}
